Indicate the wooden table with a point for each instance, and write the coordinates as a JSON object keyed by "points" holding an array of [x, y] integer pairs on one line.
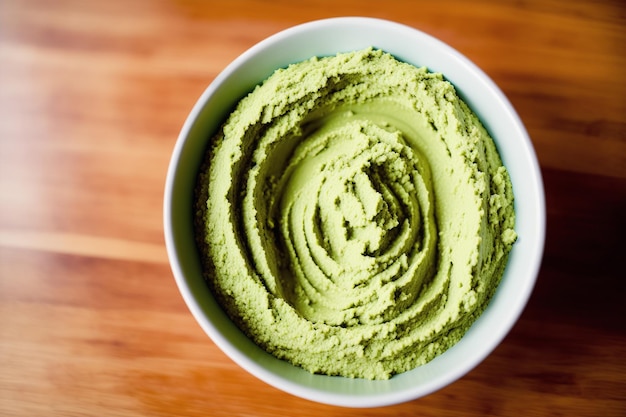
{"points": [[92, 96]]}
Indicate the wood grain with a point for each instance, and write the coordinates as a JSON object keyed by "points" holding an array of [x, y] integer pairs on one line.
{"points": [[92, 96]]}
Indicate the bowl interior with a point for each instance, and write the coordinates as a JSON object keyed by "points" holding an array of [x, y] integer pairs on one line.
{"points": [[328, 37]]}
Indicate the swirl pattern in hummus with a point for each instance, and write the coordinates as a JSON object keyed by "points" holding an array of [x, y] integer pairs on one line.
{"points": [[354, 216]]}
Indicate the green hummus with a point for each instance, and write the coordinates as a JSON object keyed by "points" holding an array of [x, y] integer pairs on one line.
{"points": [[354, 216]]}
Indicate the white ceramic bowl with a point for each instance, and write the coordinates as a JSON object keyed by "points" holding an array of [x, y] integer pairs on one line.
{"points": [[328, 37]]}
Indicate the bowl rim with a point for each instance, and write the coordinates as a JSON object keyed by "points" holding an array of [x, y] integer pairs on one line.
{"points": [[231, 345]]}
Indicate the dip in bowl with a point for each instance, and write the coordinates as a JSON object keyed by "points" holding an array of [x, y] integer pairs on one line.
{"points": [[248, 336]]}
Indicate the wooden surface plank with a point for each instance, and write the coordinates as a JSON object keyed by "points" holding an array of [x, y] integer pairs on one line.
{"points": [[92, 96]]}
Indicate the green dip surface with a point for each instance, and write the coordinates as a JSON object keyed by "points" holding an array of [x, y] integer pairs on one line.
{"points": [[353, 215]]}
